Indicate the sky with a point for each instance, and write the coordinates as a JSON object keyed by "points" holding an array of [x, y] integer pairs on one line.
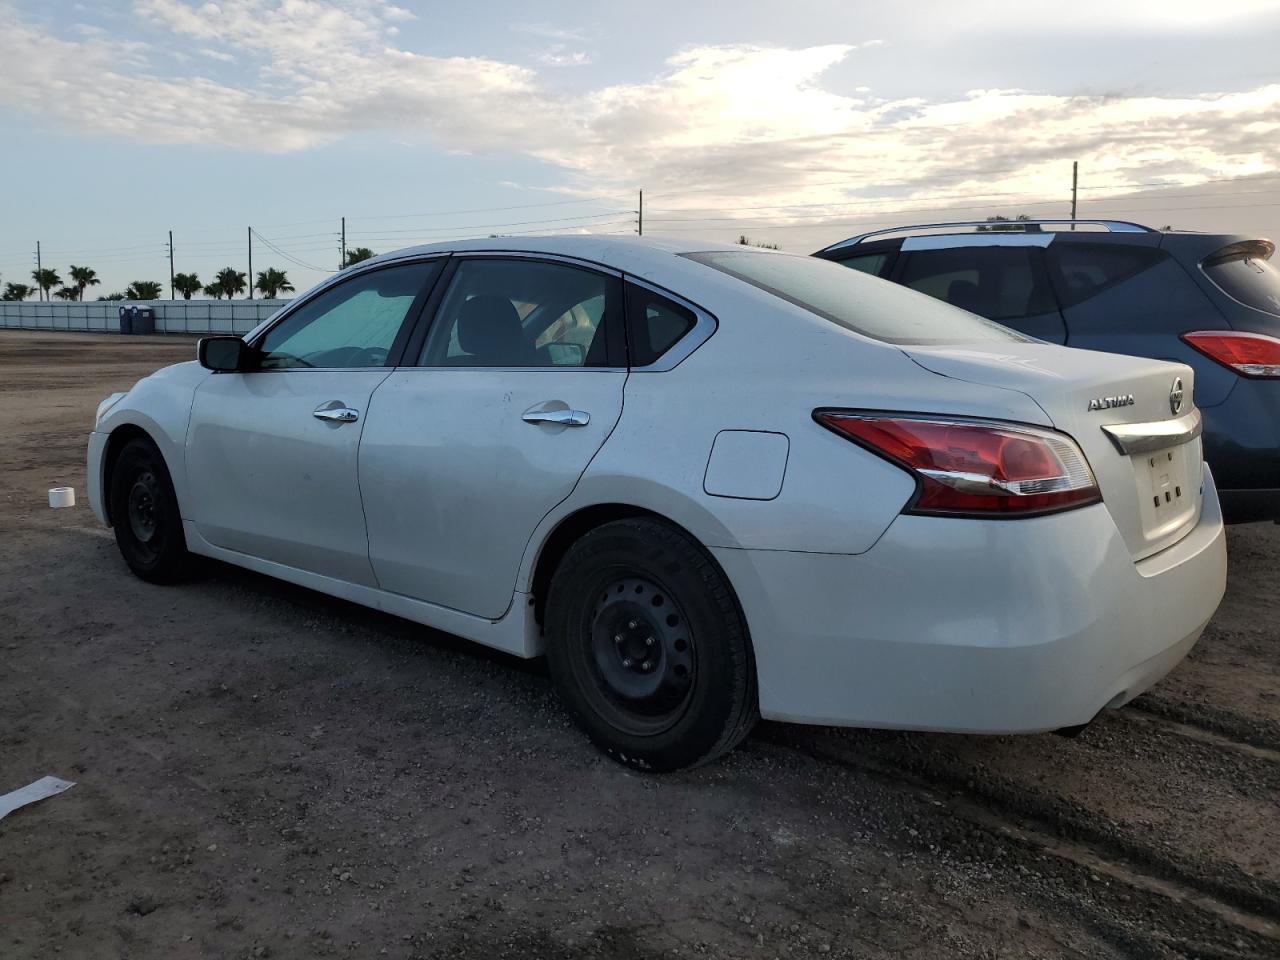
{"points": [[797, 124]]}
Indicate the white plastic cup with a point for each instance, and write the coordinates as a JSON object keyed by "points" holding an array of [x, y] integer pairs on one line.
{"points": [[62, 496]]}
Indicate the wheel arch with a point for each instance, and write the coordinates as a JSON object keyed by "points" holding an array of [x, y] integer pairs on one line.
{"points": [[577, 524], [117, 440]]}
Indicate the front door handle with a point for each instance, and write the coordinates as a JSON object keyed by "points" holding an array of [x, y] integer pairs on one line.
{"points": [[336, 412], [565, 417]]}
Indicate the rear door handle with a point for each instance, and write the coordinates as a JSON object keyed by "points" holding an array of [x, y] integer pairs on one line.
{"points": [[568, 418], [335, 412]]}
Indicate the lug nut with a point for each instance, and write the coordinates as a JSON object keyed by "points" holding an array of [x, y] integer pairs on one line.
{"points": [[631, 625], [626, 662], [617, 638], [646, 665], [648, 641]]}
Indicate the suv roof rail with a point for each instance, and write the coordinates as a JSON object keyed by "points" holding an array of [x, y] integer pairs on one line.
{"points": [[1005, 226]]}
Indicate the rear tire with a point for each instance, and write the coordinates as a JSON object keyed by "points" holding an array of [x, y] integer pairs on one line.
{"points": [[145, 516], [648, 647]]}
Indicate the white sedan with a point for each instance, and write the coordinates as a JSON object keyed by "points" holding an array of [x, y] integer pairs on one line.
{"points": [[709, 483]]}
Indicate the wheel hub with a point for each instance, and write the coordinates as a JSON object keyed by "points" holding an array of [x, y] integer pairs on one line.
{"points": [[142, 507], [641, 649]]}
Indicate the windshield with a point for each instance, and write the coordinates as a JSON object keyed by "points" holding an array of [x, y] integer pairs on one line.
{"points": [[874, 308], [1244, 273]]}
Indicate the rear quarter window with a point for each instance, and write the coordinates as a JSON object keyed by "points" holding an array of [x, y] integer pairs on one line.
{"points": [[1084, 270]]}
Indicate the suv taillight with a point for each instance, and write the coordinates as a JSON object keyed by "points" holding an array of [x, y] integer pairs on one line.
{"points": [[974, 467], [1248, 354]]}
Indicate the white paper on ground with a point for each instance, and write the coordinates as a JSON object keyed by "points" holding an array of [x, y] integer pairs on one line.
{"points": [[44, 787]]}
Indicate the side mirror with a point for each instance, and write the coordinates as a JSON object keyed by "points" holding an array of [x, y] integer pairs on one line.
{"points": [[223, 354]]}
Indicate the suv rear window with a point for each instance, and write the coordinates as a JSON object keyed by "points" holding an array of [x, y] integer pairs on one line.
{"points": [[854, 300], [1245, 272]]}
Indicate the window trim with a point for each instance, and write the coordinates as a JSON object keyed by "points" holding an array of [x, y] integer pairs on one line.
{"points": [[417, 339], [396, 354], [704, 326]]}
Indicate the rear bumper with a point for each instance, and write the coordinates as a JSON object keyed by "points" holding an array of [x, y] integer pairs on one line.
{"points": [[976, 626]]}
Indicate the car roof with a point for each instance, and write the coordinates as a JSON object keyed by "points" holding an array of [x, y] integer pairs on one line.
{"points": [[629, 254]]}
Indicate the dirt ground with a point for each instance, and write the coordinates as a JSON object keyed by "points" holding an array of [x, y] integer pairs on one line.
{"points": [[263, 771]]}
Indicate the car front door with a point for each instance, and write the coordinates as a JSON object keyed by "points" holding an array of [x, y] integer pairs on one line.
{"points": [[271, 451], [517, 384]]}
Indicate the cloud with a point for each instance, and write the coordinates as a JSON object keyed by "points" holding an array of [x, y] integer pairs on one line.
{"points": [[558, 56], [716, 125]]}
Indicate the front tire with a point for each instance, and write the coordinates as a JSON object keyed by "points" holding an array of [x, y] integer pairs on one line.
{"points": [[648, 647], [145, 516]]}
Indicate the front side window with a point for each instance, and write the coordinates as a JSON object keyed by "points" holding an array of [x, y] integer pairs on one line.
{"points": [[999, 283], [853, 300], [352, 324], [1245, 272], [522, 313]]}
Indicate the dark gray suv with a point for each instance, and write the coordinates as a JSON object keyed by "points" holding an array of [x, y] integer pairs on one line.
{"points": [[1211, 301]]}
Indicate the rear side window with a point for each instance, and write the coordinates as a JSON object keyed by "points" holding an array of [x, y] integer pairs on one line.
{"points": [[1084, 270], [872, 263], [656, 324], [856, 302], [1245, 273], [999, 283]]}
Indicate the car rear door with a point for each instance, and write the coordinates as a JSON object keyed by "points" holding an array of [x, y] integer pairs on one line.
{"points": [[271, 452], [1000, 276], [505, 398]]}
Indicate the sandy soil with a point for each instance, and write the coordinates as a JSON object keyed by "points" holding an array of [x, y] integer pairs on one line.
{"points": [[266, 772]]}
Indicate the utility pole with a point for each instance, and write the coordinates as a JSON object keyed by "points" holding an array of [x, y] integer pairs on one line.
{"points": [[39, 270], [250, 263], [1075, 179], [171, 296], [343, 262], [640, 215]]}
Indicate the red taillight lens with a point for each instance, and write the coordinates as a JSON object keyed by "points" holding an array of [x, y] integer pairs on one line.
{"points": [[1248, 354], [974, 467]]}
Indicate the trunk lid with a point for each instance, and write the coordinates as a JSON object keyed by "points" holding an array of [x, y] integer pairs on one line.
{"points": [[1148, 465]]}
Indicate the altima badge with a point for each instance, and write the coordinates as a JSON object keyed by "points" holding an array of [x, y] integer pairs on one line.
{"points": [[1175, 396], [1106, 403]]}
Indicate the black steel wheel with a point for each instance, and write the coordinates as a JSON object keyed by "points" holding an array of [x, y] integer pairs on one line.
{"points": [[648, 646], [144, 514]]}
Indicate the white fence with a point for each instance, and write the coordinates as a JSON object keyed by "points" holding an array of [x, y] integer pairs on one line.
{"points": [[172, 316]]}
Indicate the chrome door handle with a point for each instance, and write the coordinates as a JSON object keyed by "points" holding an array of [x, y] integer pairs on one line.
{"points": [[336, 414], [568, 418]]}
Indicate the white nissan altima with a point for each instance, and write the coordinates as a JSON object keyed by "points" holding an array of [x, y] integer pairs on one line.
{"points": [[709, 483]]}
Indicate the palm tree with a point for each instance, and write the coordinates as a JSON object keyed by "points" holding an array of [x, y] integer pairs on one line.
{"points": [[113, 296], [358, 255], [143, 290], [272, 281], [46, 279], [83, 277], [214, 290], [67, 293], [16, 291], [232, 281], [186, 284]]}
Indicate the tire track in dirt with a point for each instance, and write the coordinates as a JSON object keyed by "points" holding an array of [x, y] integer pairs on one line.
{"points": [[1190, 911]]}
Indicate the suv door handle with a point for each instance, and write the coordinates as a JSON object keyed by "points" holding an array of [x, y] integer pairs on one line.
{"points": [[335, 412], [568, 418]]}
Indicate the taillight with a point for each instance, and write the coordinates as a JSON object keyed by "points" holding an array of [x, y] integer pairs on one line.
{"points": [[975, 467], [1248, 354]]}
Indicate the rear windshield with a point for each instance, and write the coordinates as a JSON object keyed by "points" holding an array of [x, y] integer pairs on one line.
{"points": [[1244, 272], [863, 304]]}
